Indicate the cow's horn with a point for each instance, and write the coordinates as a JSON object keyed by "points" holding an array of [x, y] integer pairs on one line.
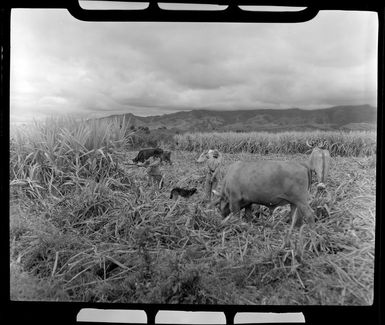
{"points": [[322, 144], [216, 192], [326, 144], [307, 142]]}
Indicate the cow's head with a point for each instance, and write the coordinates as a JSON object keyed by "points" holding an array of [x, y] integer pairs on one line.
{"points": [[193, 191], [221, 203], [166, 156], [213, 153], [174, 194], [320, 144]]}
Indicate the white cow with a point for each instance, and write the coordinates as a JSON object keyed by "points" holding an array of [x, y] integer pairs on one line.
{"points": [[319, 162]]}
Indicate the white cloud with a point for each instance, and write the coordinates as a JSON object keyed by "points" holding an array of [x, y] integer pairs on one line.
{"points": [[59, 64]]}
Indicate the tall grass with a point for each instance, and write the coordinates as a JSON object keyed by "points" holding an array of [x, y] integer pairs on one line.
{"points": [[86, 227], [57, 153], [353, 143], [133, 244]]}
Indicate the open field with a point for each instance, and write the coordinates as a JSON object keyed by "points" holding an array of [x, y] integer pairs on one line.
{"points": [[118, 240], [85, 226]]}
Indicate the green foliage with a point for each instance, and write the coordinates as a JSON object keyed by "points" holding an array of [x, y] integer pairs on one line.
{"points": [[49, 157]]}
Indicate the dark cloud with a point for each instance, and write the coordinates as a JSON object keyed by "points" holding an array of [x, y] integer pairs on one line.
{"points": [[59, 64]]}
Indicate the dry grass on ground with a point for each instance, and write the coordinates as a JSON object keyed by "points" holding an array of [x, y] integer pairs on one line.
{"points": [[118, 240]]}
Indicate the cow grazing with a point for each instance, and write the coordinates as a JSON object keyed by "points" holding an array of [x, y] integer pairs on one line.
{"points": [[267, 182], [184, 192], [145, 154], [166, 157], [319, 162]]}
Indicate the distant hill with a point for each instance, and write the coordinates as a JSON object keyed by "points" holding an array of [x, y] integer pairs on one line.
{"points": [[360, 117]]}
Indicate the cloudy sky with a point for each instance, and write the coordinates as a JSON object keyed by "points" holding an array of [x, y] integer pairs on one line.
{"points": [[60, 65]]}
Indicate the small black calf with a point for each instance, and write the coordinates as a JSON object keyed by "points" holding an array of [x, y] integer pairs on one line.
{"points": [[144, 154], [185, 192]]}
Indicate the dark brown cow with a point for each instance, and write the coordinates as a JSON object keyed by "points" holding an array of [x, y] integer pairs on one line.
{"points": [[267, 182], [145, 154]]}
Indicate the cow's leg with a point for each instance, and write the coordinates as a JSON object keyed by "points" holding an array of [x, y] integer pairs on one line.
{"points": [[214, 183], [208, 187], [292, 216], [248, 212], [158, 181], [149, 180], [226, 212], [235, 208], [299, 218], [308, 212], [152, 181], [226, 209], [271, 211]]}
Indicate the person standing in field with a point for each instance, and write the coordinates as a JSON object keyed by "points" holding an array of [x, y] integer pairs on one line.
{"points": [[155, 176], [213, 159]]}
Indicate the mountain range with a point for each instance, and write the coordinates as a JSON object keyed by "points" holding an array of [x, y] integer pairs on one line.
{"points": [[358, 117]]}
